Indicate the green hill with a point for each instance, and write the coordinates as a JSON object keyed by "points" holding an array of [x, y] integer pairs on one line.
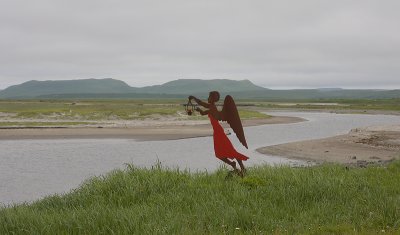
{"points": [[306, 94], [244, 89], [110, 87], [33, 88], [198, 86]]}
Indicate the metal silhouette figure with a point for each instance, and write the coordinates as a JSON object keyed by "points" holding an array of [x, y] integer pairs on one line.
{"points": [[223, 147]]}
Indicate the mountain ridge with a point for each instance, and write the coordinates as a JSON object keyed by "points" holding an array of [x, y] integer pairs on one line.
{"points": [[180, 88], [34, 88]]}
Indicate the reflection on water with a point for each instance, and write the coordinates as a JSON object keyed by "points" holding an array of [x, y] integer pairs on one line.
{"points": [[30, 169]]}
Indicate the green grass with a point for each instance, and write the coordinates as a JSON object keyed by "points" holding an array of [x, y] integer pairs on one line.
{"points": [[39, 124], [151, 108], [326, 199], [100, 109], [342, 104], [248, 114], [88, 110]]}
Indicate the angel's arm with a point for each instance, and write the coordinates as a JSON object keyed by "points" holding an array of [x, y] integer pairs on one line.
{"points": [[198, 101], [202, 112], [213, 111]]}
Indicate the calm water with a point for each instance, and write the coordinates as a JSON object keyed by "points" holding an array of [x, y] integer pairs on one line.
{"points": [[31, 169]]}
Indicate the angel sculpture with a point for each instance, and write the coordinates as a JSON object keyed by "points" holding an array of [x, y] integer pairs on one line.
{"points": [[223, 147]]}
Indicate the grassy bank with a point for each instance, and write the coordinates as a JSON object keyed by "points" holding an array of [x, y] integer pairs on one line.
{"points": [[43, 124], [322, 199], [355, 105], [101, 109], [87, 110]]}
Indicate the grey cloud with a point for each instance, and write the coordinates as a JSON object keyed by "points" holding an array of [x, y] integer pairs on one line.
{"points": [[273, 43]]}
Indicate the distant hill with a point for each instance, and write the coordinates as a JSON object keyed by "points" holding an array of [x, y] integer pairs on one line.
{"points": [[244, 89], [198, 86], [98, 87], [330, 89], [33, 88], [113, 96], [307, 94]]}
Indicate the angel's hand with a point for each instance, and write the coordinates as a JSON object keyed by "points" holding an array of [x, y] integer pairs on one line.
{"points": [[205, 112]]}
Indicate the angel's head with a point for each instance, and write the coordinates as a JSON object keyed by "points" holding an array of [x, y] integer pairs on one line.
{"points": [[213, 97]]}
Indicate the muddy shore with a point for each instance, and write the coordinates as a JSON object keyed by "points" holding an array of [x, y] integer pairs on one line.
{"points": [[360, 147], [154, 130]]}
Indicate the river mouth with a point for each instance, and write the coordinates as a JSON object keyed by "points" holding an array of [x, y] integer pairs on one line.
{"points": [[31, 169]]}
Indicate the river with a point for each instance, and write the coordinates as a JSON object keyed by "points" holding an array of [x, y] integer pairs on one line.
{"points": [[32, 169]]}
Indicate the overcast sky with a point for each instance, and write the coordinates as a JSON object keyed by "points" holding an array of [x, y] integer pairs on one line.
{"points": [[275, 44]]}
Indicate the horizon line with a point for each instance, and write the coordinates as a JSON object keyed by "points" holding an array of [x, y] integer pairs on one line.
{"points": [[270, 88]]}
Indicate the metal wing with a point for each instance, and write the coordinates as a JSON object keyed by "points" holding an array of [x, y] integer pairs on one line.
{"points": [[230, 114]]}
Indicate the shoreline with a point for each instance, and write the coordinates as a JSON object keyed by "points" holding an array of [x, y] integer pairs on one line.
{"points": [[360, 147], [158, 131], [328, 110]]}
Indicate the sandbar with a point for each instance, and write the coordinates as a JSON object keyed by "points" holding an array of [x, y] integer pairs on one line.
{"points": [[360, 147], [144, 132]]}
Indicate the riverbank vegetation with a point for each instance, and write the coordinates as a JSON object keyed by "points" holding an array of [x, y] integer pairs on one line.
{"points": [[43, 124], [353, 105], [77, 112], [125, 109], [325, 199], [102, 109]]}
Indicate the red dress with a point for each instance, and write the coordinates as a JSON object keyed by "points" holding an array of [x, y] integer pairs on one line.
{"points": [[222, 145]]}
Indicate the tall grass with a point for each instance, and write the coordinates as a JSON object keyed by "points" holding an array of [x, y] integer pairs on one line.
{"points": [[100, 109], [280, 200], [42, 124], [356, 105]]}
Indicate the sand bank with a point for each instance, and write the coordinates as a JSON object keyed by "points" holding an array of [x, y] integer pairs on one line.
{"points": [[378, 144], [155, 130]]}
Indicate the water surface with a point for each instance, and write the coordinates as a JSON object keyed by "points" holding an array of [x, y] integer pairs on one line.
{"points": [[31, 169]]}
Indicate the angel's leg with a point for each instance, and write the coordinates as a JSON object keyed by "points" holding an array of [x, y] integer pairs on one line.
{"points": [[229, 162], [242, 169]]}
